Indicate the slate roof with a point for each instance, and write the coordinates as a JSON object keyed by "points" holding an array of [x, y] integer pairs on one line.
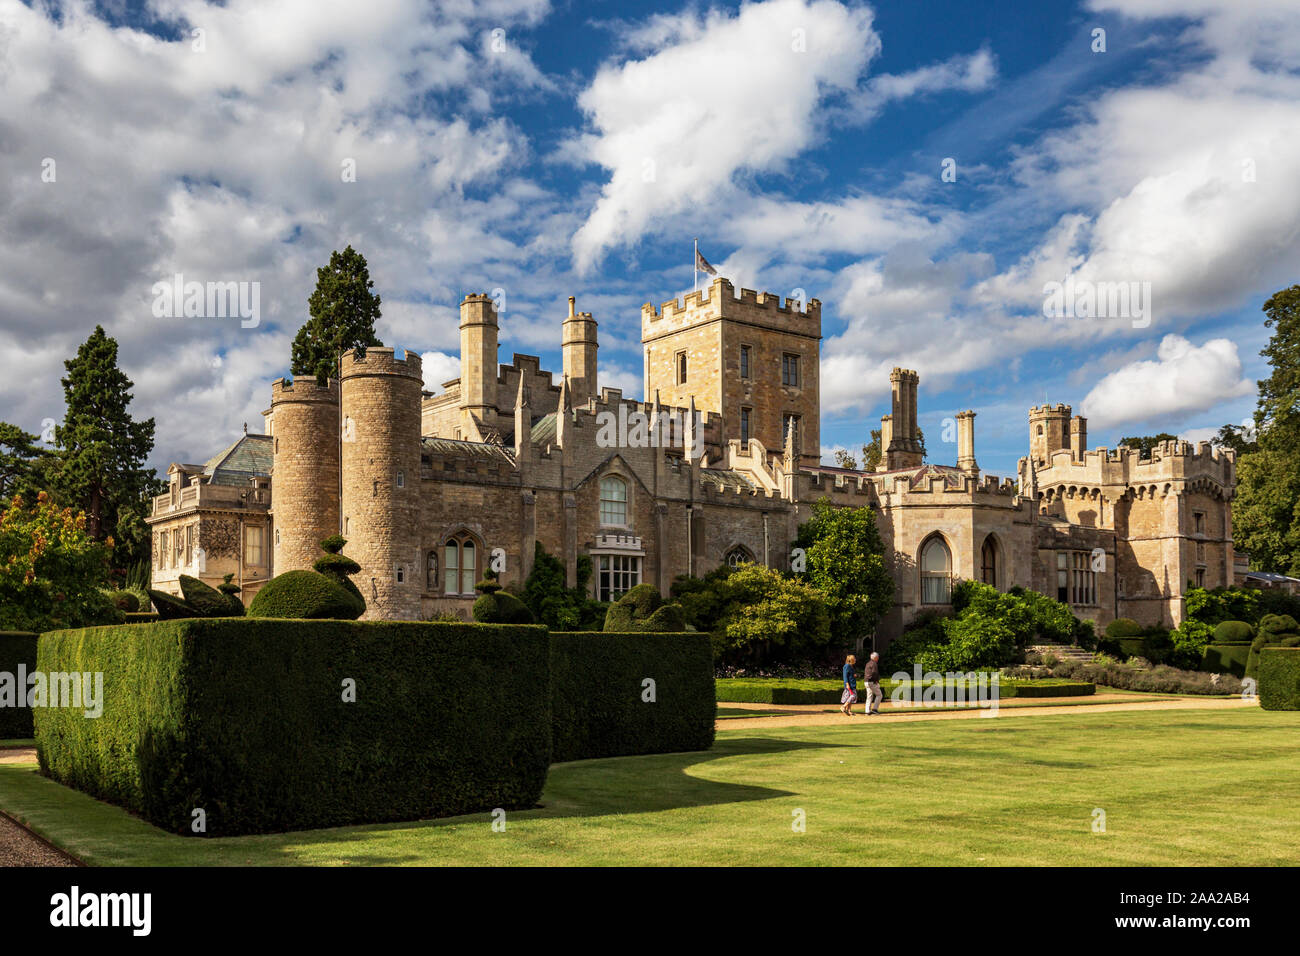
{"points": [[249, 457]]}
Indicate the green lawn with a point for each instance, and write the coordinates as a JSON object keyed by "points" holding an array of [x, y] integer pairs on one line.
{"points": [[1178, 787], [17, 742]]}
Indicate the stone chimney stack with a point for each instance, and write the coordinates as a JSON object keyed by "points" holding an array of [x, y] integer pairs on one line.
{"points": [[904, 450], [886, 436], [966, 443]]}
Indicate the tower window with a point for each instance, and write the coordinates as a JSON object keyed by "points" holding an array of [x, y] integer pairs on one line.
{"points": [[401, 479], [613, 501], [790, 370], [744, 361], [745, 415], [681, 368], [401, 577], [989, 562], [1198, 520], [460, 565]]}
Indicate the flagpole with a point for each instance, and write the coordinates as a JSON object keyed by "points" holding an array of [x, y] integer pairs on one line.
{"points": [[695, 265]]}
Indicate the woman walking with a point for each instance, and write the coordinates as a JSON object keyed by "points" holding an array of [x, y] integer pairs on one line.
{"points": [[850, 695]]}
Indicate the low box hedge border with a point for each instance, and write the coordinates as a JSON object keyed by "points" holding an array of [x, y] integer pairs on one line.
{"points": [[600, 704], [776, 691], [246, 720], [16, 648], [1279, 678]]}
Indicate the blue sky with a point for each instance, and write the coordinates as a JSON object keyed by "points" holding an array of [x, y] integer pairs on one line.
{"points": [[556, 148]]}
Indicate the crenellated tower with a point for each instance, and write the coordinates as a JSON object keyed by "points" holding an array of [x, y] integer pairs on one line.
{"points": [[380, 399], [304, 428], [578, 345]]}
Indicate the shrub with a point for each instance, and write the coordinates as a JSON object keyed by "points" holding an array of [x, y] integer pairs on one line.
{"points": [[642, 609], [552, 603], [974, 642], [247, 719], [1233, 632], [304, 595], [124, 601], [925, 633], [51, 570], [1159, 679], [598, 694], [501, 607], [1222, 604], [17, 648], [1123, 627], [1279, 678], [846, 564], [208, 601], [1275, 630]]}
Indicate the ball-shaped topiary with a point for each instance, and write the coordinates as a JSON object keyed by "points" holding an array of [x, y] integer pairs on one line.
{"points": [[1233, 632], [304, 595], [1123, 627]]}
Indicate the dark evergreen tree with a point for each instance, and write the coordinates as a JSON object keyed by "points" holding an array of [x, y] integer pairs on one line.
{"points": [[101, 451], [343, 312], [19, 457]]}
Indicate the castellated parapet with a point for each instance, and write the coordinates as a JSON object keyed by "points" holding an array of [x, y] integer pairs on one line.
{"points": [[1123, 467], [305, 448], [381, 506]]}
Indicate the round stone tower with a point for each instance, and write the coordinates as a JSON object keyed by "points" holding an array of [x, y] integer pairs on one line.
{"points": [[381, 479], [305, 470]]}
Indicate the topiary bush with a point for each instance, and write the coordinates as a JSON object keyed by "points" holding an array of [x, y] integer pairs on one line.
{"points": [[304, 595], [1275, 630], [208, 601], [642, 609], [340, 568], [495, 605], [602, 705], [1226, 659], [1123, 627], [125, 601], [253, 721], [170, 607], [1233, 632], [1279, 678]]}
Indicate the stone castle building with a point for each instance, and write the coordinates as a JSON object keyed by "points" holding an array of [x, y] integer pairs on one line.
{"points": [[721, 465]]}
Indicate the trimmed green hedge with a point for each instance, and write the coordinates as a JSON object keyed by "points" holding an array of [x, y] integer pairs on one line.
{"points": [[598, 706], [16, 647], [1226, 658], [807, 691], [1279, 678], [245, 719]]}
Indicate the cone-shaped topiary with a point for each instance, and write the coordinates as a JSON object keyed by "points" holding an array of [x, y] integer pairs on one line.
{"points": [[642, 609], [340, 567], [231, 590]]}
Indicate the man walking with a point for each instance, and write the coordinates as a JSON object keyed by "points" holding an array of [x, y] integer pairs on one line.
{"points": [[871, 678]]}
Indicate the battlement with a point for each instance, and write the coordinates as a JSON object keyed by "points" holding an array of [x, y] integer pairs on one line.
{"points": [[904, 375], [1122, 466], [1044, 410], [383, 361], [304, 389], [720, 301]]}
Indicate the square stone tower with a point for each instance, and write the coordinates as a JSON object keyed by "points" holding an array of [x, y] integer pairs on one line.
{"points": [[752, 359]]}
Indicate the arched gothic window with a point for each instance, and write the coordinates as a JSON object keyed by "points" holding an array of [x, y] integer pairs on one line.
{"points": [[936, 572]]}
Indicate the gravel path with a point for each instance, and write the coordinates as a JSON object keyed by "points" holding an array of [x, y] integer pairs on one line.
{"points": [[20, 848]]}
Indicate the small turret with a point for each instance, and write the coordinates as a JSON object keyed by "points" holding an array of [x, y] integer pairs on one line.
{"points": [[578, 345]]}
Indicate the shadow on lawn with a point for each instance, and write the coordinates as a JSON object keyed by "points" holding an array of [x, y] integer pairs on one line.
{"points": [[593, 788]]}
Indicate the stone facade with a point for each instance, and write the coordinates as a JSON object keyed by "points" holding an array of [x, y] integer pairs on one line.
{"points": [[721, 464]]}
